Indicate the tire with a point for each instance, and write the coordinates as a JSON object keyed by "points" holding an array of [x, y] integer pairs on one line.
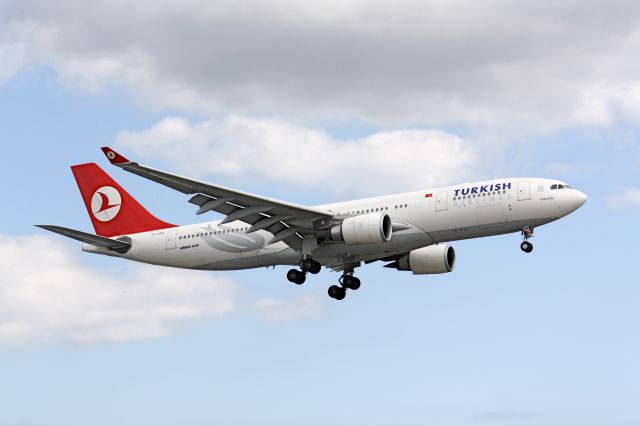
{"points": [[307, 264], [311, 265], [337, 292], [295, 276], [292, 275], [526, 247], [300, 279], [355, 284], [351, 282], [317, 267]]}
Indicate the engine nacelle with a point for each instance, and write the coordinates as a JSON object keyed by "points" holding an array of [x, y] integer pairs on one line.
{"points": [[370, 228], [436, 259]]}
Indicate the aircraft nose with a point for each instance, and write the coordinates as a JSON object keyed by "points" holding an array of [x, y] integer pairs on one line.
{"points": [[581, 198]]}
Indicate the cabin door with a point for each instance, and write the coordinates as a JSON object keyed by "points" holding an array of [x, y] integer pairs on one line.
{"points": [[441, 201], [171, 239], [524, 190]]}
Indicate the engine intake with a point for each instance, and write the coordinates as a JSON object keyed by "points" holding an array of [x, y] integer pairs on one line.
{"points": [[437, 259], [370, 228]]}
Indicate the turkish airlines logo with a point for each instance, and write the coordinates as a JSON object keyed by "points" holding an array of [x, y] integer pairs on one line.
{"points": [[105, 203]]}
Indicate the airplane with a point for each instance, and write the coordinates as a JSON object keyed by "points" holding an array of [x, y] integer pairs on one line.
{"points": [[409, 231]]}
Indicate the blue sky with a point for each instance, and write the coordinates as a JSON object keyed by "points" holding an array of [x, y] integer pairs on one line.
{"points": [[279, 109]]}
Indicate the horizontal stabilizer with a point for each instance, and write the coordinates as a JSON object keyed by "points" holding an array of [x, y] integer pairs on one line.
{"points": [[95, 240]]}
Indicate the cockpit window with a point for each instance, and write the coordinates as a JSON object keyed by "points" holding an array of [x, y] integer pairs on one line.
{"points": [[560, 186], [554, 186]]}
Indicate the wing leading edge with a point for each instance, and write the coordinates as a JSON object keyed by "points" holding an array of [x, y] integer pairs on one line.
{"points": [[286, 221]]}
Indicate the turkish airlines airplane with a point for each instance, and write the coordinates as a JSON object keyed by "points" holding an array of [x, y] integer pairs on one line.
{"points": [[410, 231]]}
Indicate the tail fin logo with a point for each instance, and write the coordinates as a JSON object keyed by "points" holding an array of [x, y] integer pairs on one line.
{"points": [[105, 203]]}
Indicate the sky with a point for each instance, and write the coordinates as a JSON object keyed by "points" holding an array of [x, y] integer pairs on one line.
{"points": [[314, 102]]}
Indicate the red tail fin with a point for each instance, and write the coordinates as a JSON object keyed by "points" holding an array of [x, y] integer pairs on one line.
{"points": [[111, 209]]}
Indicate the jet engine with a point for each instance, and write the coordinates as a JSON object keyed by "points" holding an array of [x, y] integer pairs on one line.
{"points": [[370, 228], [436, 259]]}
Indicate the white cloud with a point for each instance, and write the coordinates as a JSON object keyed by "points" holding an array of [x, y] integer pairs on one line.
{"points": [[47, 294], [310, 158], [629, 197], [301, 307], [11, 59], [523, 66]]}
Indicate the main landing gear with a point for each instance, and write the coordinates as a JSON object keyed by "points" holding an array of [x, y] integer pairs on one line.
{"points": [[526, 246], [347, 281], [306, 265], [338, 292]]}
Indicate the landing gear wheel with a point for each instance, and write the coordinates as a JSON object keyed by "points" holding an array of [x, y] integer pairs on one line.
{"points": [[337, 292], [526, 247], [311, 265], [295, 276], [351, 282]]}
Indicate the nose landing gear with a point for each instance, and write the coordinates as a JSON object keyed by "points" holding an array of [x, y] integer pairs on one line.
{"points": [[526, 246]]}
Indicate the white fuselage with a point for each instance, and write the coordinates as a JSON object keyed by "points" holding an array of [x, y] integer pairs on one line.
{"points": [[420, 219]]}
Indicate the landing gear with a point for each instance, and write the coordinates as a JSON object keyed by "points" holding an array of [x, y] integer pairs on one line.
{"points": [[295, 276], [310, 265], [307, 265], [351, 282], [337, 292], [526, 246], [347, 281]]}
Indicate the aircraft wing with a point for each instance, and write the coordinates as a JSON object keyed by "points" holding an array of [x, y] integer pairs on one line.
{"points": [[286, 221], [95, 240]]}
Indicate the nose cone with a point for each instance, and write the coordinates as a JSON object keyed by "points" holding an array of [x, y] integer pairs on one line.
{"points": [[580, 198], [574, 201]]}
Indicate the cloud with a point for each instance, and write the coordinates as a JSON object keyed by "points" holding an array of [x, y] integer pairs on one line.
{"points": [[278, 151], [302, 306], [522, 66], [11, 58], [47, 294], [629, 197]]}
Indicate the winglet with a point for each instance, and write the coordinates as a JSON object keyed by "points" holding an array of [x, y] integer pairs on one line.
{"points": [[113, 156]]}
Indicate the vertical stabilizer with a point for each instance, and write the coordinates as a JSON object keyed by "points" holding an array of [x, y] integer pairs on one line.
{"points": [[113, 211]]}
